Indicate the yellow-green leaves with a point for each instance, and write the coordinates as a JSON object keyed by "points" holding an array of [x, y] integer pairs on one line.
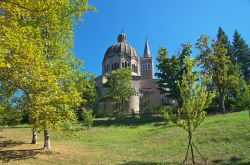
{"points": [[194, 95], [36, 57]]}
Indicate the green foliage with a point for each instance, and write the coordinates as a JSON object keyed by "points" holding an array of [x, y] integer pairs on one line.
{"points": [[195, 97], [169, 114], [144, 104], [224, 41], [215, 63], [37, 58], [89, 94], [224, 63], [169, 69], [10, 116], [242, 98], [119, 88], [88, 119], [241, 54]]}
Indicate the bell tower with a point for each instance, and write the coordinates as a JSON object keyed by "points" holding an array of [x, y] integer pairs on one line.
{"points": [[146, 63]]}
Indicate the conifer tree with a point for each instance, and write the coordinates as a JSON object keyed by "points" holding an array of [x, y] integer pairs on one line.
{"points": [[241, 54], [169, 70], [223, 39], [216, 63]]}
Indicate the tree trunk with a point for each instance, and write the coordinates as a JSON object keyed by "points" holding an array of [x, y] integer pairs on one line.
{"points": [[191, 146], [186, 157], [34, 136], [46, 140], [222, 102]]}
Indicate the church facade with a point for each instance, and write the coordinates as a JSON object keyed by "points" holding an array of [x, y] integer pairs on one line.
{"points": [[124, 55]]}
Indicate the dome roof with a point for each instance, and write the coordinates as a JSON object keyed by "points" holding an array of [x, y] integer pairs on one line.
{"points": [[121, 47]]}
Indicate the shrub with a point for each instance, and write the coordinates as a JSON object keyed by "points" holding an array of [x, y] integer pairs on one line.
{"points": [[10, 116], [88, 119], [169, 114]]}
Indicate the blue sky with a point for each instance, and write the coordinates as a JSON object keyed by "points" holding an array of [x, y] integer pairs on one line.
{"points": [[167, 23]]}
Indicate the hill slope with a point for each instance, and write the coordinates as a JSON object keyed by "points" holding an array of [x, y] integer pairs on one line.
{"points": [[223, 139]]}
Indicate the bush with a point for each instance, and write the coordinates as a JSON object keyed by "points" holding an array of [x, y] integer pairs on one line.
{"points": [[242, 101], [169, 114], [10, 116], [88, 119]]}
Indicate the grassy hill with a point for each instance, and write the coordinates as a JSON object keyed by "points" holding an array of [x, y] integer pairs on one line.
{"points": [[223, 139]]}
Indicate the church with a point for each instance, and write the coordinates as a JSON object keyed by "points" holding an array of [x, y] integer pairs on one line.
{"points": [[124, 55]]}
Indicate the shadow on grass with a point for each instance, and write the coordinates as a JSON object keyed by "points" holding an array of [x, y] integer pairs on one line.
{"points": [[146, 163], [129, 121], [14, 155], [22, 154], [10, 143], [232, 160]]}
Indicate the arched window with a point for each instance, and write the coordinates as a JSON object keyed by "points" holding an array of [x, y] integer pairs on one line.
{"points": [[117, 65], [123, 64], [149, 67], [126, 64]]}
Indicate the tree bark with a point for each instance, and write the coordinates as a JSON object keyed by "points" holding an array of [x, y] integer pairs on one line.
{"points": [[34, 136], [186, 157], [222, 102], [191, 146], [46, 140]]}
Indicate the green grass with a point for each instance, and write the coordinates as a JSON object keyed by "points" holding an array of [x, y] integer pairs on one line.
{"points": [[223, 139]]}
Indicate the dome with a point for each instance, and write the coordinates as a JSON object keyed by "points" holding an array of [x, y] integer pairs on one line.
{"points": [[121, 47], [121, 55]]}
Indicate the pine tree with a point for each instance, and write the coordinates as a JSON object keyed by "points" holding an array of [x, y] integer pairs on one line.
{"points": [[241, 55], [223, 39], [216, 63]]}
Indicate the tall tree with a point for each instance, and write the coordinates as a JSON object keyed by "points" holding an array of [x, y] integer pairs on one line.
{"points": [[241, 55], [223, 39], [119, 87], [36, 57], [216, 63], [195, 98], [169, 69]]}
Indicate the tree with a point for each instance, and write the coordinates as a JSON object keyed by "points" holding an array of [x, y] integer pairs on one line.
{"points": [[223, 39], [119, 88], [241, 54], [36, 57], [90, 94], [216, 63], [169, 69], [195, 98], [220, 67]]}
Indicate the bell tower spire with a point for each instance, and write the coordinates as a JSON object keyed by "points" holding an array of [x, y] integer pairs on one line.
{"points": [[147, 63], [146, 49]]}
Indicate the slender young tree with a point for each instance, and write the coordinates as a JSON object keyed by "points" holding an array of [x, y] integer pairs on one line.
{"points": [[195, 98]]}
